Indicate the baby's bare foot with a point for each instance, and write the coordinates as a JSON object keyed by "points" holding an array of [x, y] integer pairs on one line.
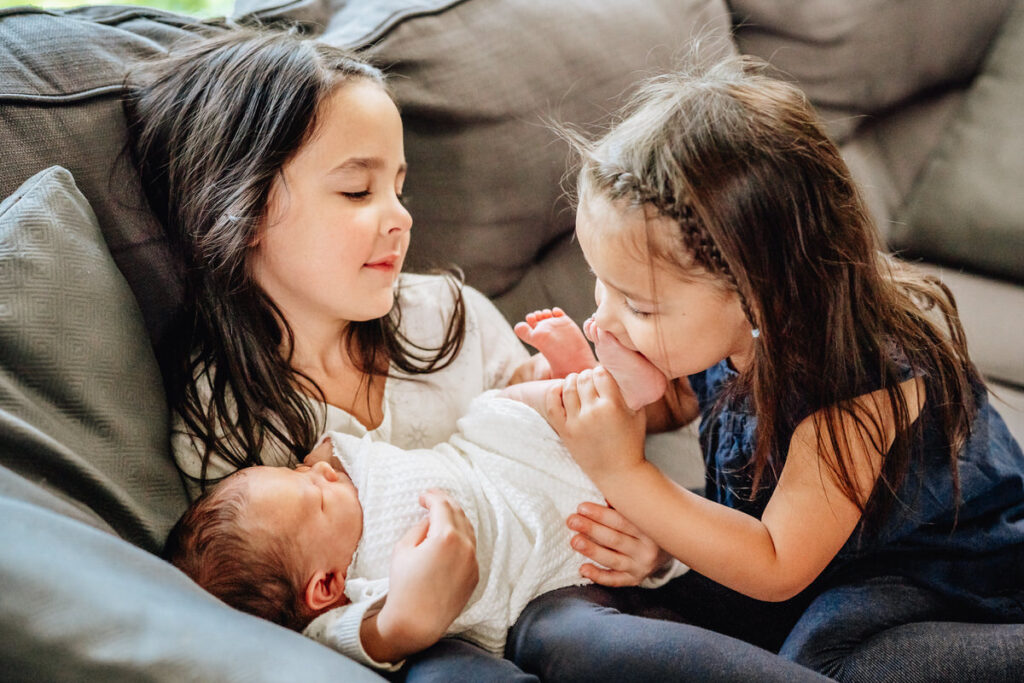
{"points": [[555, 335], [639, 380]]}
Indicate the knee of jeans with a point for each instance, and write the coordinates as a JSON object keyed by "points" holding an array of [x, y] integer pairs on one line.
{"points": [[818, 647], [550, 626]]}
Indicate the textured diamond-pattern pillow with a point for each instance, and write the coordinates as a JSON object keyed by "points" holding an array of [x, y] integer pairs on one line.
{"points": [[61, 76], [82, 409]]}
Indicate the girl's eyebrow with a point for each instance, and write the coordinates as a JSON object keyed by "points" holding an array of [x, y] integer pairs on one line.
{"points": [[362, 164], [628, 295]]}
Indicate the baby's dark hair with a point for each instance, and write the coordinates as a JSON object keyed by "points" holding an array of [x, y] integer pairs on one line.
{"points": [[215, 545]]}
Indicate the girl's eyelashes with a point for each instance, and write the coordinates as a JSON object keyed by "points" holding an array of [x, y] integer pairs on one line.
{"points": [[403, 199], [635, 311]]}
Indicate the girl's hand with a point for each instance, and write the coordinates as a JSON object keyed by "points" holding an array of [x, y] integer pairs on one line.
{"points": [[609, 539], [604, 436], [433, 574]]}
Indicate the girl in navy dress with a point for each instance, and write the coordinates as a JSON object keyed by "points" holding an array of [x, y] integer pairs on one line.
{"points": [[858, 479]]}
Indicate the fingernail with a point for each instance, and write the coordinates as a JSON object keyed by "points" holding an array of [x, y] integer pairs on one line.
{"points": [[577, 543]]}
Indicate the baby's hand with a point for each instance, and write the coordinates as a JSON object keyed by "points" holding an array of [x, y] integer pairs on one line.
{"points": [[433, 574]]}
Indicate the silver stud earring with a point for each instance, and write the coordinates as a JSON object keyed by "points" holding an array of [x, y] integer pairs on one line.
{"points": [[755, 333]]}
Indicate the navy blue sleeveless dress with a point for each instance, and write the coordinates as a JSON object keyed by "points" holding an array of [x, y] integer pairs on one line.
{"points": [[973, 554]]}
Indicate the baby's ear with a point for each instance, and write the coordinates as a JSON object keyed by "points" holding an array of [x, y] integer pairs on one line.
{"points": [[325, 590]]}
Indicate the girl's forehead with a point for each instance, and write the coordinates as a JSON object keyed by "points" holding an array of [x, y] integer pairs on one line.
{"points": [[622, 231]]}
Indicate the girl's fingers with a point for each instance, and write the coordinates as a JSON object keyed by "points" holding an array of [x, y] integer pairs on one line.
{"points": [[603, 535], [570, 394], [585, 387], [607, 577], [599, 553], [555, 411], [607, 516], [604, 385], [416, 534]]}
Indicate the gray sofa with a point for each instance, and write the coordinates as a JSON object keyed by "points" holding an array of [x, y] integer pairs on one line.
{"points": [[924, 95]]}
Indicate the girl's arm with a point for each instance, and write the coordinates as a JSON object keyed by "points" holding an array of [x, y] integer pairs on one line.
{"points": [[806, 522]]}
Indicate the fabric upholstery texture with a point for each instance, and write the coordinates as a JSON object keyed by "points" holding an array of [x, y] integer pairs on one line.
{"points": [[967, 208], [80, 391], [83, 453], [61, 75], [81, 605], [866, 57]]}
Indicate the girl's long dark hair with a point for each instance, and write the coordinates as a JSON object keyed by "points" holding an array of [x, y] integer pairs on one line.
{"points": [[766, 206], [210, 127]]}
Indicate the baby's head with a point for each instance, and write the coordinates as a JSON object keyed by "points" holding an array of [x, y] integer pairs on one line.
{"points": [[272, 541]]}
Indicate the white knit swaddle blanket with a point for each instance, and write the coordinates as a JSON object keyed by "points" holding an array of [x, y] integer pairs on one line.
{"points": [[517, 483]]}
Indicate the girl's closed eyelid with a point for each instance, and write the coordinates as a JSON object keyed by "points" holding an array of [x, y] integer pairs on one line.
{"points": [[636, 311]]}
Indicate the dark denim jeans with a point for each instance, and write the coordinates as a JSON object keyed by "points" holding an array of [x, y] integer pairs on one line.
{"points": [[883, 629], [457, 661], [598, 634], [886, 628]]}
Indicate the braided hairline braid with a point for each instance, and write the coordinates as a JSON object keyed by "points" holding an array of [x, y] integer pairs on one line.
{"points": [[696, 238]]}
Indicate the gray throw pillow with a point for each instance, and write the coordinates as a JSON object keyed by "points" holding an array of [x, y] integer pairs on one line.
{"points": [[61, 76], [82, 408], [967, 209]]}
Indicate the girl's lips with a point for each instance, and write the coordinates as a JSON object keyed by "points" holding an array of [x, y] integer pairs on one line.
{"points": [[385, 264]]}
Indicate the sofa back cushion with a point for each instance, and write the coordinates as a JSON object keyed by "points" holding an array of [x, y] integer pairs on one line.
{"points": [[61, 76], [967, 207], [868, 56]]}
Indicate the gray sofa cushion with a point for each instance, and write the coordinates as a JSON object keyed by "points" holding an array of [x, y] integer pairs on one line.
{"points": [[60, 83], [868, 56], [477, 82], [81, 399], [967, 209], [81, 605]]}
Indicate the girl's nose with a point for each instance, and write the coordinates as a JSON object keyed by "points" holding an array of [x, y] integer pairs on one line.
{"points": [[399, 220]]}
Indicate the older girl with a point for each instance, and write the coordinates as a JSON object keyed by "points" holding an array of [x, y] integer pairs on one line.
{"points": [[276, 164]]}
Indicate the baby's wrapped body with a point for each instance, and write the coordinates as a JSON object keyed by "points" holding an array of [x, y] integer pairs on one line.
{"points": [[516, 482]]}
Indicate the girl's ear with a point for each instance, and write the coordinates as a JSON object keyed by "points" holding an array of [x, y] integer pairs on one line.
{"points": [[325, 590]]}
